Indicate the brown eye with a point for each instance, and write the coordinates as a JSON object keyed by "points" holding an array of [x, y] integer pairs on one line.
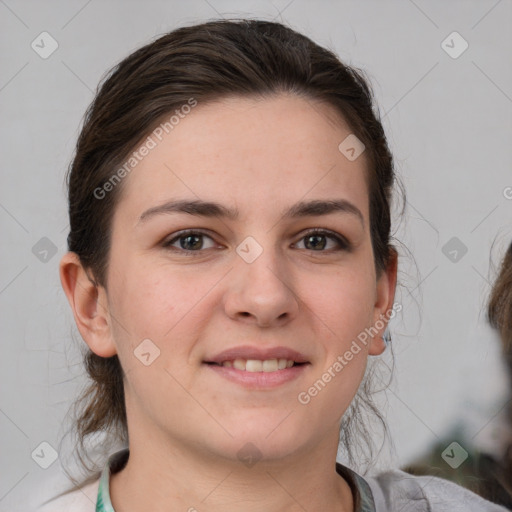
{"points": [[317, 240], [189, 241]]}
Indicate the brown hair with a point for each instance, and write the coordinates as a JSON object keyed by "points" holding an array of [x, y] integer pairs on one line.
{"points": [[499, 313], [206, 62]]}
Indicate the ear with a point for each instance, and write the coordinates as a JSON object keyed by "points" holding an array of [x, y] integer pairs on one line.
{"points": [[385, 296], [89, 304]]}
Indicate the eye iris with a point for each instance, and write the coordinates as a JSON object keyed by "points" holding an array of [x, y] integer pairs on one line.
{"points": [[315, 244], [187, 239]]}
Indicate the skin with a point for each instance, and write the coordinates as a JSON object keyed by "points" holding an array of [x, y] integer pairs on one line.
{"points": [[186, 423]]}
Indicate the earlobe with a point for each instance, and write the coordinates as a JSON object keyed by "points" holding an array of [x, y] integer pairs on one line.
{"points": [[89, 305], [385, 295]]}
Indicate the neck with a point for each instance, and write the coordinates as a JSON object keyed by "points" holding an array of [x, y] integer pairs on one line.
{"points": [[165, 476]]}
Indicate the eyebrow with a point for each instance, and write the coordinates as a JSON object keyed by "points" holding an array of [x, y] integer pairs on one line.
{"points": [[212, 209]]}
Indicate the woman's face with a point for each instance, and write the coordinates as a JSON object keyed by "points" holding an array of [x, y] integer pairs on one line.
{"points": [[256, 285]]}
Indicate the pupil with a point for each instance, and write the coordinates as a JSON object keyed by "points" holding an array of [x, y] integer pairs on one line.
{"points": [[187, 240], [315, 245]]}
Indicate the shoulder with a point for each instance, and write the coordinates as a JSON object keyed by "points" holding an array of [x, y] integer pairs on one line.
{"points": [[394, 489], [80, 500]]}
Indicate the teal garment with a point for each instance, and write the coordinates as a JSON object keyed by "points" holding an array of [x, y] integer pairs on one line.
{"points": [[360, 489], [103, 503]]}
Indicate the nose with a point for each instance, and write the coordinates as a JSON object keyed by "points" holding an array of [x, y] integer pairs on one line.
{"points": [[261, 292]]}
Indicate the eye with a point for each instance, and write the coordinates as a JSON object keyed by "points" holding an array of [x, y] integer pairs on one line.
{"points": [[189, 241], [192, 241], [316, 240]]}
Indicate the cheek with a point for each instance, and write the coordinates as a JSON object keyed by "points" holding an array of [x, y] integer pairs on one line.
{"points": [[159, 303], [343, 300], [344, 310], [159, 306]]}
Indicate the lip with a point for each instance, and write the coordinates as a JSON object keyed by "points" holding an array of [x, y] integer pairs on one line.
{"points": [[248, 352], [258, 380]]}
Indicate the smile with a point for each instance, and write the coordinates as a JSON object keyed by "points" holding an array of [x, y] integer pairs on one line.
{"points": [[256, 365], [258, 374]]}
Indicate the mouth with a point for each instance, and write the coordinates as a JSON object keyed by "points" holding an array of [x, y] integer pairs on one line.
{"points": [[256, 368], [258, 365]]}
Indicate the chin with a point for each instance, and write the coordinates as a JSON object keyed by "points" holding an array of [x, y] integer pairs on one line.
{"points": [[274, 436]]}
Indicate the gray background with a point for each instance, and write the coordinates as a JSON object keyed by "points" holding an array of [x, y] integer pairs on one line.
{"points": [[449, 124]]}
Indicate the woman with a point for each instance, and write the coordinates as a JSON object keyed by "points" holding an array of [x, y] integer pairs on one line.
{"points": [[230, 270]]}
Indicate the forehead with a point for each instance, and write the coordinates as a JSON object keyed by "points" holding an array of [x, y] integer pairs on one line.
{"points": [[252, 152]]}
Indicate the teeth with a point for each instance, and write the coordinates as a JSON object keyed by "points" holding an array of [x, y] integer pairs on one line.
{"points": [[270, 365], [255, 365], [239, 364]]}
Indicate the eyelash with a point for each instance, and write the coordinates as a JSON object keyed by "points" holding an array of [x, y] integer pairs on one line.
{"points": [[343, 244]]}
